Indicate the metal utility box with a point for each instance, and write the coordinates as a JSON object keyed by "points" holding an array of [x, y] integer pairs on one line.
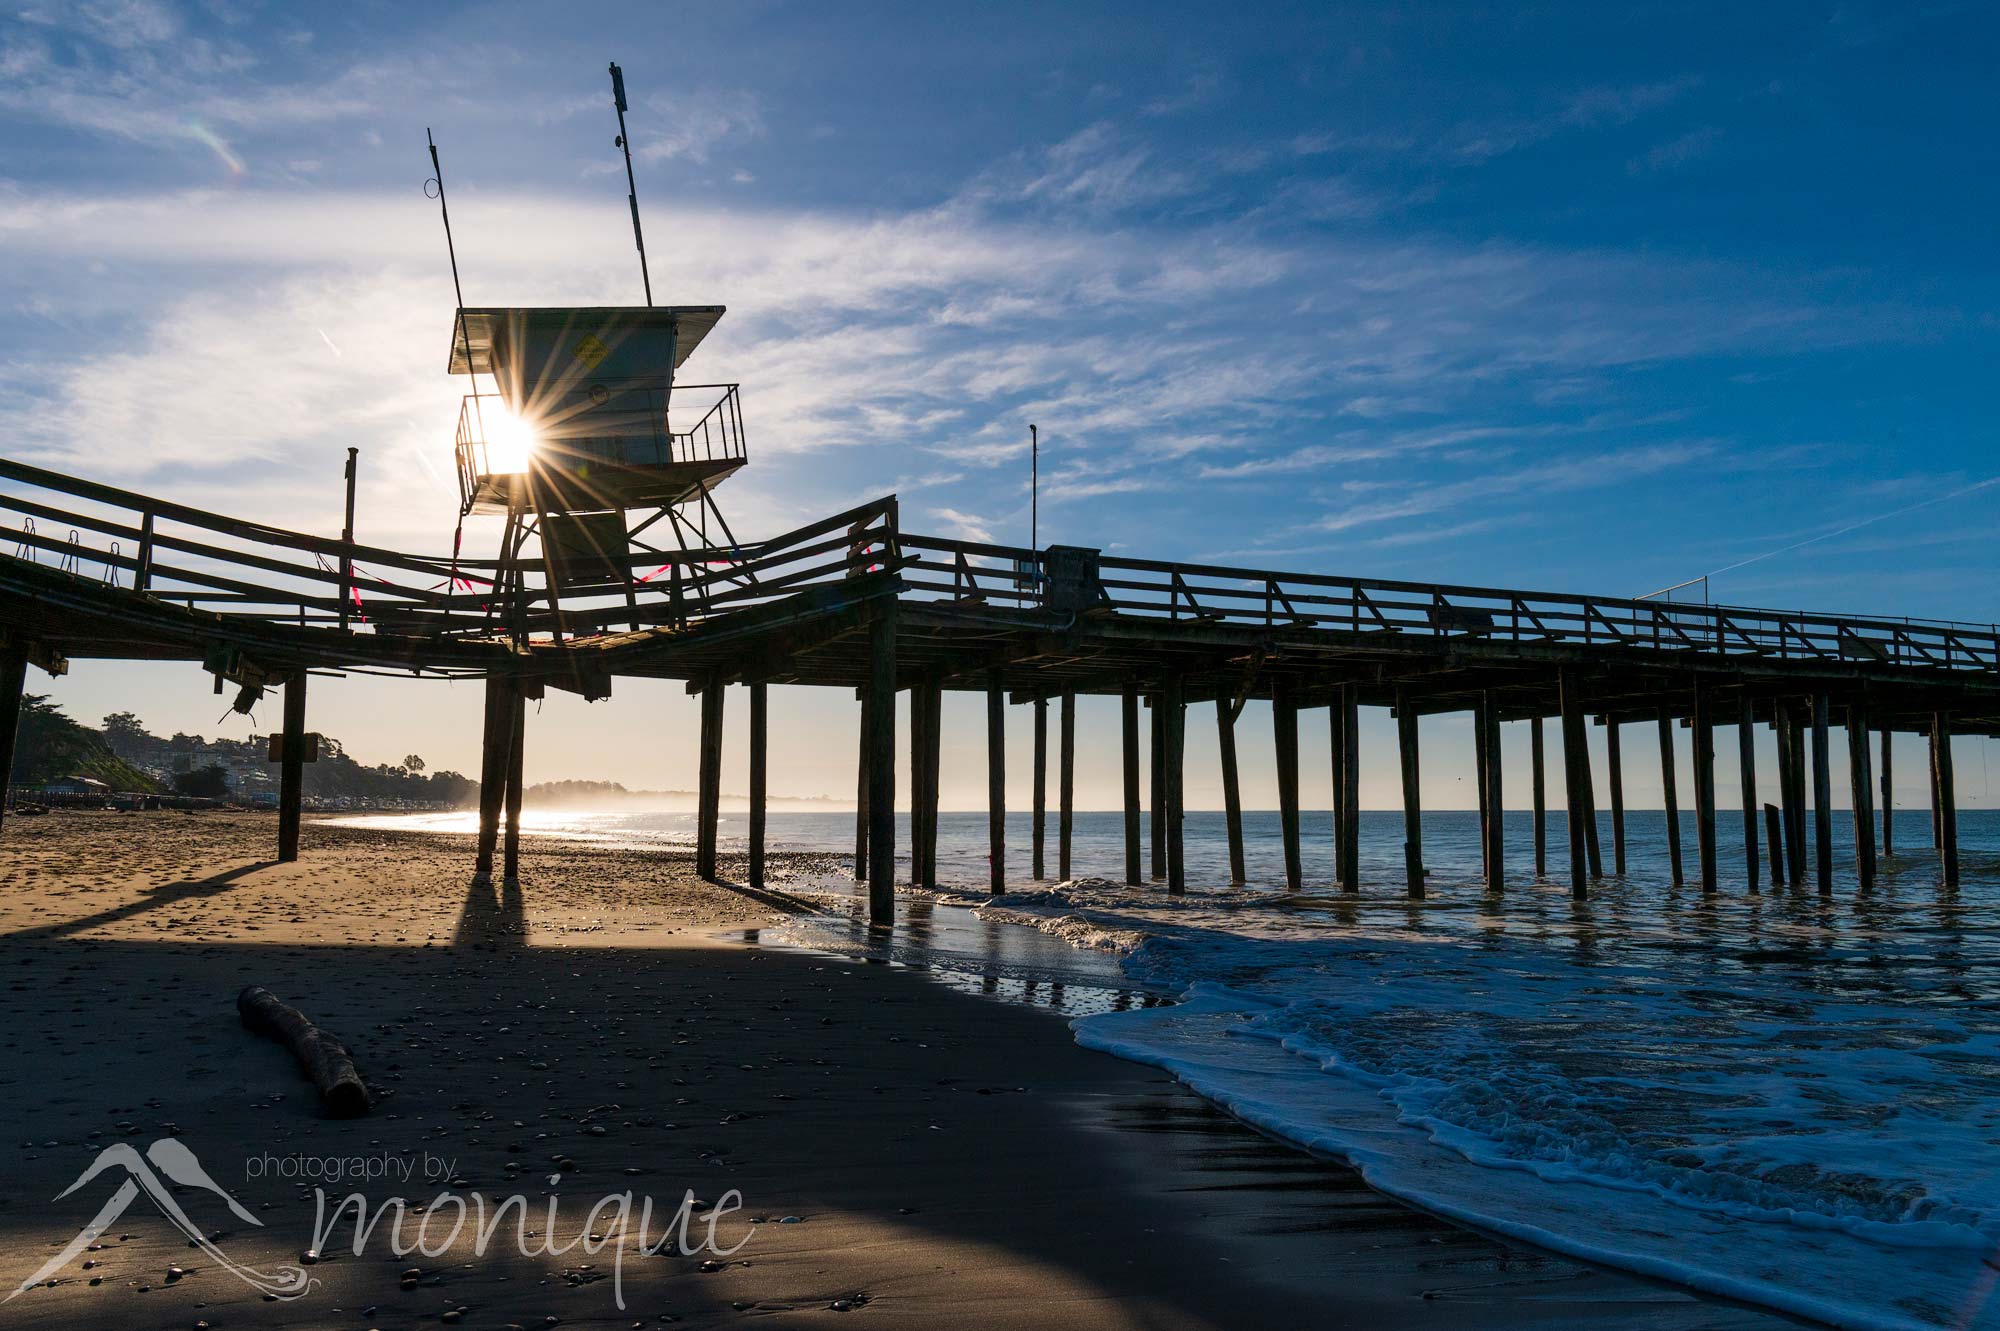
{"points": [[586, 415]]}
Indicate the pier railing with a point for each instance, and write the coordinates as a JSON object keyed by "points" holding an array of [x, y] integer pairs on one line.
{"points": [[105, 538], [1199, 593]]}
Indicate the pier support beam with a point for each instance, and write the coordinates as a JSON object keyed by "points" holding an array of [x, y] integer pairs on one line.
{"points": [[1888, 796], [1037, 865], [494, 743], [1285, 741], [1496, 804], [1129, 716], [1066, 785], [925, 852], [709, 796], [1347, 856], [1576, 783], [510, 852], [291, 765], [996, 785], [1232, 794], [1746, 775], [1774, 832], [1593, 853], [1670, 800], [881, 714], [861, 796], [1937, 806], [1413, 808], [1704, 785], [1175, 728], [1947, 798], [1482, 786], [760, 727], [1862, 781], [13, 680], [1822, 773], [1156, 824], [1794, 741], [1614, 759], [1538, 760]]}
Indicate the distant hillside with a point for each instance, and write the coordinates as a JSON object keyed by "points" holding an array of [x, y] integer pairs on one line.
{"points": [[50, 746]]}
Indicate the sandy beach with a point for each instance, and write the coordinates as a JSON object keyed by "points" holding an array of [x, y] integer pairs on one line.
{"points": [[904, 1153]]}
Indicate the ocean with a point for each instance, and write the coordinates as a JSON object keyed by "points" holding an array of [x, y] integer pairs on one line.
{"points": [[1784, 1098]]}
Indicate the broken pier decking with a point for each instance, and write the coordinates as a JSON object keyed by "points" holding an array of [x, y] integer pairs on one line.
{"points": [[854, 602]]}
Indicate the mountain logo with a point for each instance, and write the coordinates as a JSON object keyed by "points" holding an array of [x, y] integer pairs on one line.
{"points": [[142, 1174]]}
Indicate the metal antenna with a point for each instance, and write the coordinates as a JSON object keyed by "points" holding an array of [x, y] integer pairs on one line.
{"points": [[434, 188], [1034, 488], [631, 186]]}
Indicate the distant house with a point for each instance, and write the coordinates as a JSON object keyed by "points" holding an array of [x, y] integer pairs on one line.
{"points": [[75, 785]]}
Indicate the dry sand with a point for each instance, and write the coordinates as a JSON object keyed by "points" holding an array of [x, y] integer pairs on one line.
{"points": [[907, 1154]]}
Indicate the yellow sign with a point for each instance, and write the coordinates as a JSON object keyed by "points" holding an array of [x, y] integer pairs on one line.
{"points": [[590, 350]]}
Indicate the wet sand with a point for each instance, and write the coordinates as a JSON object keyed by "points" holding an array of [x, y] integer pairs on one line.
{"points": [[906, 1153]]}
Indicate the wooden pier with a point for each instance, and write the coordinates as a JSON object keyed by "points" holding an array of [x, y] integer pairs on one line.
{"points": [[854, 602]]}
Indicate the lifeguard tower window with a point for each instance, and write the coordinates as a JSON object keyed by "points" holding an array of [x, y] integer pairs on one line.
{"points": [[587, 415]]}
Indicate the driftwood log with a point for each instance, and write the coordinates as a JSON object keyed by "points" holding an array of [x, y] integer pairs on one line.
{"points": [[323, 1058]]}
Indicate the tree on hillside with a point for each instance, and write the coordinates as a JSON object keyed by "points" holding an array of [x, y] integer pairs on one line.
{"points": [[210, 782]]}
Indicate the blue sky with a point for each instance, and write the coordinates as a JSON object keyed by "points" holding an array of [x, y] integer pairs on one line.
{"points": [[1569, 297]]}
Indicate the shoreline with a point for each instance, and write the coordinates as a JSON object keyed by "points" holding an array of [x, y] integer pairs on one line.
{"points": [[946, 1156]]}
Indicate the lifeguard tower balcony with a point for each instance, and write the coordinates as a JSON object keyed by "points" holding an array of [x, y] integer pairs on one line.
{"points": [[584, 413]]}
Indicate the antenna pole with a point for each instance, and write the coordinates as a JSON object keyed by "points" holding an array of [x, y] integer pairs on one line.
{"points": [[631, 185], [1034, 488], [437, 178]]}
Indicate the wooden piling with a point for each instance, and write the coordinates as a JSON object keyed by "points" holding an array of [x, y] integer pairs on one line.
{"points": [[861, 797], [1481, 784], [1704, 785], [13, 681], [1670, 800], [920, 748], [1823, 796], [1285, 742], [1040, 814], [759, 772], [1614, 759], [510, 847], [1156, 823], [1593, 853], [1232, 795], [1795, 808], [1861, 780], [1746, 775], [1947, 797], [1774, 832], [1888, 795], [1066, 785], [708, 799], [1173, 705], [1129, 717], [1496, 827], [1937, 804], [1413, 809], [1348, 855], [1822, 774], [1538, 761], [1576, 783], [933, 690], [493, 746], [881, 713], [996, 784], [291, 768]]}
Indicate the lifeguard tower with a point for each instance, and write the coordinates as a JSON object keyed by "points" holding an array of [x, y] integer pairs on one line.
{"points": [[585, 425]]}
